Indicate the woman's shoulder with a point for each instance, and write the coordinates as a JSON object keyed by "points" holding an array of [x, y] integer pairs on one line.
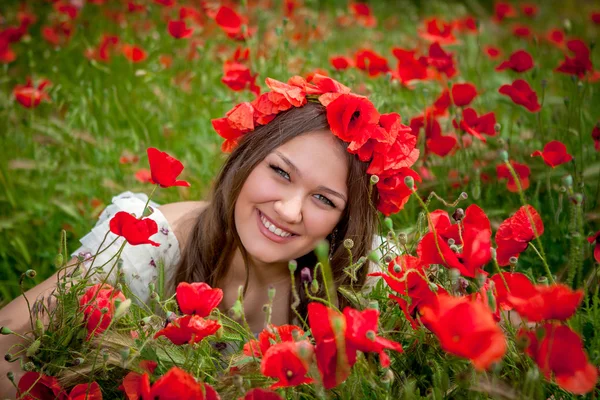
{"points": [[181, 216]]}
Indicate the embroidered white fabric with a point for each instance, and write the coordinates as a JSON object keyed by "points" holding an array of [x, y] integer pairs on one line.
{"points": [[140, 262]]}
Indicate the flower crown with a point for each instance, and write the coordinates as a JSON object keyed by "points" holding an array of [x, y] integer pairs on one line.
{"points": [[380, 139]]}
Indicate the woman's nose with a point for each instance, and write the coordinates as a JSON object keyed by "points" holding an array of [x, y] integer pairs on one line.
{"points": [[289, 209]]}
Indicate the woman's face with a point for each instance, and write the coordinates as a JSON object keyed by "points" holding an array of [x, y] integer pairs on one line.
{"points": [[293, 199]]}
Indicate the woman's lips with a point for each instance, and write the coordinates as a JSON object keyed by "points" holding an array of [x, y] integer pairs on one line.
{"points": [[268, 234]]}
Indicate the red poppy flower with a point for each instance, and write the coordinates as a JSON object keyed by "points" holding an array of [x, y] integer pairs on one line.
{"points": [[465, 328], [269, 336], [393, 192], [595, 238], [288, 362], [467, 24], [521, 93], [595, 17], [442, 61], [463, 94], [529, 9], [516, 232], [492, 52], [85, 391], [503, 10], [363, 15], [518, 284], [164, 168], [409, 66], [596, 136], [437, 31], [59, 33], [476, 126], [261, 394], [349, 115], [341, 63], [238, 77], [295, 95], [175, 384], [133, 53], [102, 52], [39, 386], [231, 23], [92, 303], [578, 65], [554, 154], [178, 29], [188, 329], [144, 175], [371, 62], [135, 231], [29, 96], [519, 61], [236, 122], [556, 37], [66, 9], [7, 55], [556, 302], [522, 31], [391, 144], [560, 353], [522, 171], [197, 298]]}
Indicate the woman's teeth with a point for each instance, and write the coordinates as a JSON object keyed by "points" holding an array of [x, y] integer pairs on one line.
{"points": [[273, 229]]}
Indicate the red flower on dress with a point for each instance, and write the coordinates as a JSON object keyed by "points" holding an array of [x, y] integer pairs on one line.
{"points": [[261, 394], [135, 231], [554, 154], [516, 232], [595, 238], [578, 65], [165, 169], [519, 61], [175, 384], [521, 93], [341, 63], [178, 29], [463, 94], [92, 303], [188, 329], [133, 53], [349, 116], [288, 362], [238, 77], [197, 298], [30, 96], [560, 353], [436, 30], [465, 328], [476, 126], [39, 386], [522, 171], [442, 61], [371, 62]]}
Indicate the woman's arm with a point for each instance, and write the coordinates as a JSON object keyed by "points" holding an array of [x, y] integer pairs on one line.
{"points": [[15, 316]]}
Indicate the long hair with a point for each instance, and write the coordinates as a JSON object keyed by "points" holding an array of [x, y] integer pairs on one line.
{"points": [[213, 239]]}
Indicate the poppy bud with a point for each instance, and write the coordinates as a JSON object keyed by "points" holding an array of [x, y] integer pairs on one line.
{"points": [[305, 275], [39, 327], [493, 253], [451, 242], [5, 330], [374, 179], [513, 261], [104, 310], [390, 235], [388, 223], [542, 280], [322, 250], [145, 321], [454, 274], [397, 268], [388, 377], [409, 182], [151, 286], [292, 265], [374, 305], [121, 308], [58, 260], [402, 238], [30, 273], [497, 127], [464, 196], [219, 333], [503, 155], [433, 287], [458, 214], [388, 259], [314, 286], [8, 357], [11, 376], [374, 256], [568, 181], [29, 366], [370, 335], [154, 297], [577, 199], [348, 243]]}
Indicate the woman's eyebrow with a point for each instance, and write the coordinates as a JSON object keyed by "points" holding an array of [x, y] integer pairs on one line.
{"points": [[297, 171]]}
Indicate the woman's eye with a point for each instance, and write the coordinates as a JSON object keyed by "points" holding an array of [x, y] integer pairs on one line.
{"points": [[279, 171], [325, 200]]}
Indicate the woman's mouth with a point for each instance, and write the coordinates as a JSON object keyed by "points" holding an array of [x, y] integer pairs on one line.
{"points": [[272, 231]]}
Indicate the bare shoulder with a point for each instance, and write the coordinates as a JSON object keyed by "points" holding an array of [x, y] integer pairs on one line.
{"points": [[181, 216]]}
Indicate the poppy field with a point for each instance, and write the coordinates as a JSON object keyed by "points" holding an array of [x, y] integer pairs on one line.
{"points": [[490, 125]]}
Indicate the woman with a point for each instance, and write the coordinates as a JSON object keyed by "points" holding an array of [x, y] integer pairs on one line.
{"points": [[288, 185]]}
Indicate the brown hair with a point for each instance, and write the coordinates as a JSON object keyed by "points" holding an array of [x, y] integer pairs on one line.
{"points": [[213, 239]]}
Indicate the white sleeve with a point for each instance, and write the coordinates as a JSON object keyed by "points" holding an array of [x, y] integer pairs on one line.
{"points": [[378, 241], [139, 263]]}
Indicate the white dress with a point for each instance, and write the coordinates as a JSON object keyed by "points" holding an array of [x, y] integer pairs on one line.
{"points": [[140, 262]]}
